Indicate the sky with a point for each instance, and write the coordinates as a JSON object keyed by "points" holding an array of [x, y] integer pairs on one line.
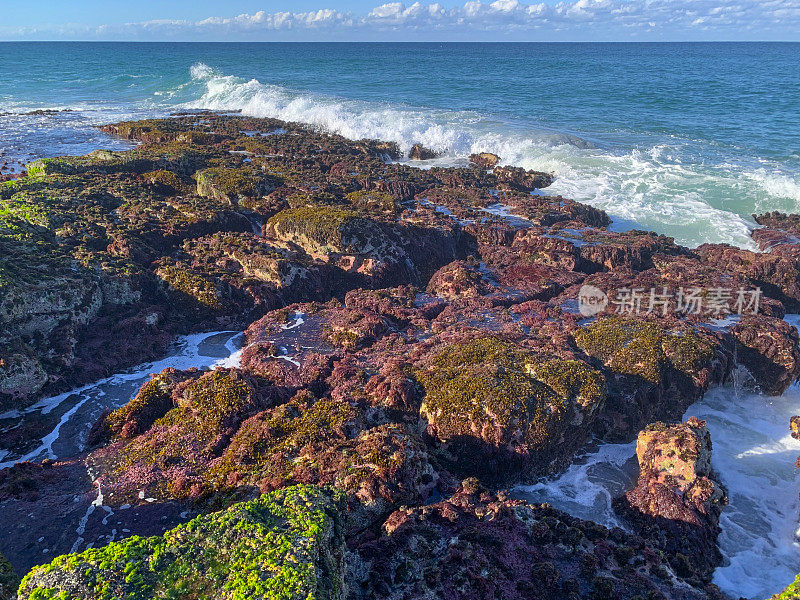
{"points": [[364, 20]]}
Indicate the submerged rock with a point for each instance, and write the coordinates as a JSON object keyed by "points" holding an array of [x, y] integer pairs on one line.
{"points": [[284, 545], [677, 500]]}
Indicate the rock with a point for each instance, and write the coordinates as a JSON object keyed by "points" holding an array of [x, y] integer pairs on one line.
{"points": [[284, 545], [420, 152], [21, 376], [234, 184], [778, 229], [152, 401], [517, 178], [677, 500], [794, 426], [485, 160], [501, 412], [776, 273], [458, 280], [373, 201], [482, 545], [658, 369], [768, 348]]}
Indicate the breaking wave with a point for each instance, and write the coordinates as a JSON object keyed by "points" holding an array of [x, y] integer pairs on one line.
{"points": [[663, 187]]}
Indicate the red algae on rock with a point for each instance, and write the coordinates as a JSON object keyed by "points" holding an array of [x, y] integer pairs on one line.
{"points": [[408, 329]]}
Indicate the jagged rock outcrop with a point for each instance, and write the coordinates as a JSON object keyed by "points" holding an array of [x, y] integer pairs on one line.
{"points": [[677, 500], [481, 545]]}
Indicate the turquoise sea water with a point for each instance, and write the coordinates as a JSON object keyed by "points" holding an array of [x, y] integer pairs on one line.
{"points": [[685, 139]]}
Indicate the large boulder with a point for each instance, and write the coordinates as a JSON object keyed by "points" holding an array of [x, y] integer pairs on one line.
{"points": [[286, 545], [657, 368], [502, 412]]}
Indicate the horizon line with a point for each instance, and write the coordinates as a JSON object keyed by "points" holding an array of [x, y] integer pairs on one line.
{"points": [[722, 41]]}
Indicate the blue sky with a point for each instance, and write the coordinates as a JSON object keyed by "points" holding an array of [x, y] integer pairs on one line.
{"points": [[312, 20]]}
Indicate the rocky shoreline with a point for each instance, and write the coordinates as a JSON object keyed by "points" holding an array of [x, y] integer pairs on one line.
{"points": [[417, 342]]}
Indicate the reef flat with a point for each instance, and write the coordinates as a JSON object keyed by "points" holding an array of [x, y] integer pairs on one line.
{"points": [[418, 341]]}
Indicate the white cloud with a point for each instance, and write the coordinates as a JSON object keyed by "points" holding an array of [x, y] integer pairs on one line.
{"points": [[500, 19]]}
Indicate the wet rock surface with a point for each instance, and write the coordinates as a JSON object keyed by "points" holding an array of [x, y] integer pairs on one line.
{"points": [[407, 329]]}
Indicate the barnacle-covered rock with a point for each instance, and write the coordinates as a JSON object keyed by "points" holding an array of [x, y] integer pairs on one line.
{"points": [[677, 501], [482, 545]]}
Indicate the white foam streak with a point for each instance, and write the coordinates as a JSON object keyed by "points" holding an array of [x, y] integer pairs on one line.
{"points": [[587, 488], [85, 404]]}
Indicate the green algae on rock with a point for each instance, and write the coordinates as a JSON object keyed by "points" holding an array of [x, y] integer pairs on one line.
{"points": [[286, 545], [317, 228], [644, 349], [489, 393], [233, 184]]}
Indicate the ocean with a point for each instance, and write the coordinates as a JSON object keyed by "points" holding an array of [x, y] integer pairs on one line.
{"points": [[686, 139]]}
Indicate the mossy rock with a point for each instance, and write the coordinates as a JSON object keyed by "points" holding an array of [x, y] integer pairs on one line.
{"points": [[167, 182], [8, 580], [185, 283], [287, 545], [232, 184], [488, 393], [263, 446], [49, 166], [323, 229], [151, 402], [103, 161], [305, 199], [372, 201], [645, 348], [572, 379]]}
